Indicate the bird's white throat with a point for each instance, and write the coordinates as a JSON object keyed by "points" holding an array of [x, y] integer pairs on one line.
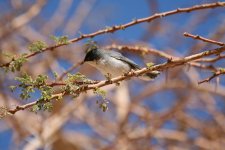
{"points": [[111, 66]]}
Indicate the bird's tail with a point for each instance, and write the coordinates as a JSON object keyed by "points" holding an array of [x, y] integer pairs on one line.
{"points": [[150, 76]]}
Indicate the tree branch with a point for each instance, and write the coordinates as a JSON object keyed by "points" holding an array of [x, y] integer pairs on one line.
{"points": [[216, 74], [203, 39], [169, 64], [124, 26], [158, 53]]}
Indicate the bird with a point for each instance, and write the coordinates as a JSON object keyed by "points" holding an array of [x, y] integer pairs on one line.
{"points": [[112, 63]]}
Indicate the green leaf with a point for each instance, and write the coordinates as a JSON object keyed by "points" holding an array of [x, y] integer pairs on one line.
{"points": [[46, 92], [36, 108], [100, 92], [25, 79], [40, 80], [37, 46], [74, 77], [103, 106], [16, 64], [55, 75], [47, 106], [222, 69], [12, 88], [60, 40], [150, 64]]}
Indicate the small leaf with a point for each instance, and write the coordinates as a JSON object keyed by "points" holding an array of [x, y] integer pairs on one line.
{"points": [[60, 40], [222, 69], [74, 77], [12, 88], [150, 64], [46, 92], [55, 74], [25, 79], [103, 106], [100, 92], [40, 80], [35, 108], [37, 46], [47, 106], [16, 64]]}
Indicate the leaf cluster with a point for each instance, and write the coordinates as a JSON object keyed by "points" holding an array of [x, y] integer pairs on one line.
{"points": [[60, 40], [29, 85], [16, 64], [37, 46]]}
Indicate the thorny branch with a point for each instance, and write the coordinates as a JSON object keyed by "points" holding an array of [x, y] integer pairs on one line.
{"points": [[124, 26], [216, 74], [169, 64], [203, 39]]}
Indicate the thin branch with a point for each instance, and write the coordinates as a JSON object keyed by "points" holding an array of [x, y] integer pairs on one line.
{"points": [[141, 49], [158, 53], [203, 39], [124, 26], [216, 74], [169, 64], [23, 19], [211, 60], [70, 70], [23, 107]]}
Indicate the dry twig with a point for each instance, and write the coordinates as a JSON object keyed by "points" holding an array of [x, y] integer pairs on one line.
{"points": [[216, 74], [203, 39]]}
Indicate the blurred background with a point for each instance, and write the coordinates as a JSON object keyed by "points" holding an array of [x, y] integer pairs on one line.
{"points": [[172, 112]]}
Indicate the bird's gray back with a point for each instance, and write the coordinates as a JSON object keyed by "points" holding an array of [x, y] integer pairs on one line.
{"points": [[120, 57]]}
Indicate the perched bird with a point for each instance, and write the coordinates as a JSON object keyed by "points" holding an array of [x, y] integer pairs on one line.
{"points": [[112, 63]]}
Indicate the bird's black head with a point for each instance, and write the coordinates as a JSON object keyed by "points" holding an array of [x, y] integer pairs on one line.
{"points": [[92, 53]]}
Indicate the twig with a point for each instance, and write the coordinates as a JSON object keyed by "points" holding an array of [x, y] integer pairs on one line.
{"points": [[208, 60], [217, 73], [23, 107], [124, 26], [203, 39], [52, 84], [69, 70], [158, 53], [141, 49], [169, 64]]}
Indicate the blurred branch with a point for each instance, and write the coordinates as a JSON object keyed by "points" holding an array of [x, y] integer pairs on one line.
{"points": [[203, 39], [208, 60], [82, 11], [124, 26], [216, 74], [58, 17], [24, 18]]}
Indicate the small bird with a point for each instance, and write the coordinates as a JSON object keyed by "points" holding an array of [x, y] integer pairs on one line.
{"points": [[112, 63]]}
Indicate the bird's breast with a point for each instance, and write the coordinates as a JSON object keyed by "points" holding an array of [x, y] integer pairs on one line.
{"points": [[111, 66]]}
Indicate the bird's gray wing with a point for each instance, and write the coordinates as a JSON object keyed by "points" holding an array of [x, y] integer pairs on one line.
{"points": [[120, 57]]}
